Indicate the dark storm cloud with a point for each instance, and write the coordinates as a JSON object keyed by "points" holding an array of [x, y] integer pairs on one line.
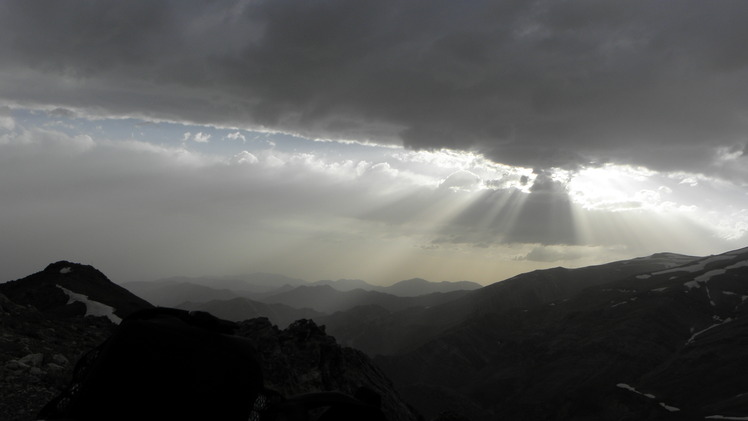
{"points": [[533, 83]]}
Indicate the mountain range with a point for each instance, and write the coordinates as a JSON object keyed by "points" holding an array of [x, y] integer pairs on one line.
{"points": [[653, 338], [283, 299], [259, 286]]}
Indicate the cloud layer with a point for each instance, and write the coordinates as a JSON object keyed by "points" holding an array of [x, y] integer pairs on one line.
{"points": [[533, 83], [143, 209]]}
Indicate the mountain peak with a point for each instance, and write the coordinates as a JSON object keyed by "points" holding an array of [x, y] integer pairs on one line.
{"points": [[64, 267], [65, 289], [414, 281]]}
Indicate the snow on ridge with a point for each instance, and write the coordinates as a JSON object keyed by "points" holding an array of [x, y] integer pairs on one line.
{"points": [[721, 322], [700, 265], [669, 408], [705, 277], [631, 389], [93, 308], [647, 395]]}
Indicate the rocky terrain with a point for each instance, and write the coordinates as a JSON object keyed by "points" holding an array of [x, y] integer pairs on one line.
{"points": [[303, 359], [48, 320], [38, 353]]}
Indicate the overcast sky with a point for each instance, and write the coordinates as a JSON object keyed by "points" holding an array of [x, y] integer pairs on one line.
{"points": [[378, 140]]}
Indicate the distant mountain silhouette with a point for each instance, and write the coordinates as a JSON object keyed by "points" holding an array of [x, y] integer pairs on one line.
{"points": [[345, 284], [417, 286], [173, 293], [408, 288], [327, 299], [242, 285], [240, 308]]}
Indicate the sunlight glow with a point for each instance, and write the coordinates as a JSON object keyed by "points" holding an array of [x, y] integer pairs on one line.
{"points": [[614, 188]]}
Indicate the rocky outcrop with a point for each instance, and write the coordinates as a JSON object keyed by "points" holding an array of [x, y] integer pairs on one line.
{"points": [[304, 359]]}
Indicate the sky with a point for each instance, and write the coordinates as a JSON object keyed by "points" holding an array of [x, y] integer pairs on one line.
{"points": [[376, 140]]}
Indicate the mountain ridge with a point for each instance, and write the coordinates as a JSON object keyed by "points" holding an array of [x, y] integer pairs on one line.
{"points": [[398, 331], [673, 335]]}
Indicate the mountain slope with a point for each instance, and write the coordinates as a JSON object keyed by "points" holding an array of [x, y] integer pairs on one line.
{"points": [[657, 345], [398, 331]]}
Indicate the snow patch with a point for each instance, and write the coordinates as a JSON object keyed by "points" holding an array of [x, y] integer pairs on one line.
{"points": [[724, 417], [729, 293], [631, 389], [93, 308], [647, 395], [696, 267], [65, 270], [706, 277], [721, 322], [692, 284], [618, 304], [647, 276], [659, 289], [669, 408]]}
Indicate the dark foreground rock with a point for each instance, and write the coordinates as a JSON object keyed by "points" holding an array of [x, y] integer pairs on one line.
{"points": [[303, 359]]}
